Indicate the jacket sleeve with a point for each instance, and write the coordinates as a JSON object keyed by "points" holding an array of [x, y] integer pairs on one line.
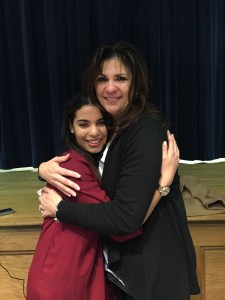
{"points": [[140, 165], [90, 190]]}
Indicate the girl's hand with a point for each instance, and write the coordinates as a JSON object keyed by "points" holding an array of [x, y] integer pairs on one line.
{"points": [[55, 175]]}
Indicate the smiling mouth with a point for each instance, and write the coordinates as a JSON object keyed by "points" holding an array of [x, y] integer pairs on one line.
{"points": [[112, 99], [94, 143]]}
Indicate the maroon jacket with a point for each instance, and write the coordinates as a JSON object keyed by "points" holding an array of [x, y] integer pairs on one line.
{"points": [[68, 261]]}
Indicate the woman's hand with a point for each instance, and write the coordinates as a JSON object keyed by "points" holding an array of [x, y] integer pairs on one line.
{"points": [[55, 175], [49, 200], [170, 160]]}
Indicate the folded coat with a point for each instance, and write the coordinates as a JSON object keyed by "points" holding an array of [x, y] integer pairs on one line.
{"points": [[200, 198]]}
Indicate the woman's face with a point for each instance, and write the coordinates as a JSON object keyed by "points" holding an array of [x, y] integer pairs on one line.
{"points": [[112, 86], [89, 128]]}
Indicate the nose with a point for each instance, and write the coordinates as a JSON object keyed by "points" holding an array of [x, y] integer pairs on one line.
{"points": [[94, 131], [111, 86]]}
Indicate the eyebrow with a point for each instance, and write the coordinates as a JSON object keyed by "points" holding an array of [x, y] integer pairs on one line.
{"points": [[82, 120], [119, 74], [85, 120]]}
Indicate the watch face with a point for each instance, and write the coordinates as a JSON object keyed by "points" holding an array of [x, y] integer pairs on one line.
{"points": [[165, 191]]}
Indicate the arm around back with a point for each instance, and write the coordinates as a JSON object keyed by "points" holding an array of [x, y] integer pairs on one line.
{"points": [[131, 175]]}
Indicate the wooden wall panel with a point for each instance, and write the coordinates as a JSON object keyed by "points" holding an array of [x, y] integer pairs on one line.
{"points": [[19, 233]]}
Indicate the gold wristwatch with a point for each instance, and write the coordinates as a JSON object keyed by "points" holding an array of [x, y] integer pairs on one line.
{"points": [[163, 190]]}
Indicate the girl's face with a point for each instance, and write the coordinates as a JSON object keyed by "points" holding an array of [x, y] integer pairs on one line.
{"points": [[89, 128], [112, 86]]}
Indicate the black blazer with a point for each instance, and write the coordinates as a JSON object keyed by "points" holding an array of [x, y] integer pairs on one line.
{"points": [[160, 264]]}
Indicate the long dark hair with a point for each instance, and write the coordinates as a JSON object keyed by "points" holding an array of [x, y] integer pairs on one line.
{"points": [[140, 83], [69, 139]]}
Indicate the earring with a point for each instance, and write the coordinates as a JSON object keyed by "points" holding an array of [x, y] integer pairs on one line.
{"points": [[72, 131]]}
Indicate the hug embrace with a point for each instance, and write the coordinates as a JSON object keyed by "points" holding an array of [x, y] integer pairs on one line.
{"points": [[117, 193]]}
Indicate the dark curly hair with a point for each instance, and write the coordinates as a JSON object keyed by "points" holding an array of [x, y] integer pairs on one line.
{"points": [[69, 139], [140, 83]]}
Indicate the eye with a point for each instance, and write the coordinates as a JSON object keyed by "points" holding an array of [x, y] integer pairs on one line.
{"points": [[121, 78], [83, 124], [101, 122], [101, 79]]}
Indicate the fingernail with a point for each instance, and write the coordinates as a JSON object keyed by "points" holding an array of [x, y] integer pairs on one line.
{"points": [[39, 192]]}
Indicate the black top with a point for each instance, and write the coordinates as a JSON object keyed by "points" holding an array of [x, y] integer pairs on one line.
{"points": [[160, 264]]}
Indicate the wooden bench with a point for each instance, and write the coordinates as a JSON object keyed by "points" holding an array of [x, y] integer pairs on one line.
{"points": [[208, 233]]}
